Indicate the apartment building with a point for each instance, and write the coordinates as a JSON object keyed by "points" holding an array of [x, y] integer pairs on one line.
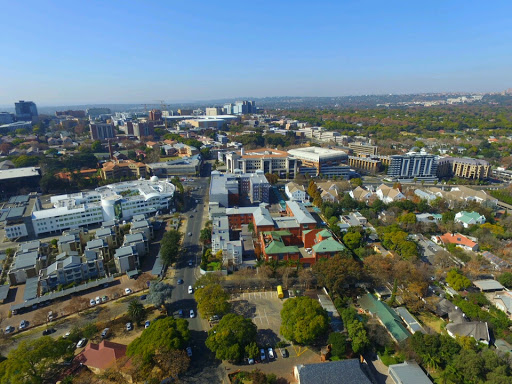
{"points": [[359, 149], [413, 167], [118, 169], [102, 131], [265, 159], [463, 167]]}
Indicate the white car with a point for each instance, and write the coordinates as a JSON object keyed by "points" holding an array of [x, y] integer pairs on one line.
{"points": [[271, 353], [192, 314], [190, 290], [98, 300], [92, 302], [129, 326], [82, 343], [127, 291]]}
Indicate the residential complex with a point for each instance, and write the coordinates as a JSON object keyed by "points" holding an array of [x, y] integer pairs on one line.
{"points": [[119, 169], [102, 131], [463, 167], [227, 189]]}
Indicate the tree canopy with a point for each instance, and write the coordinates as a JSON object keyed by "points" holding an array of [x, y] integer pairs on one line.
{"points": [[164, 334], [212, 300], [303, 320], [229, 338], [170, 246], [159, 293]]}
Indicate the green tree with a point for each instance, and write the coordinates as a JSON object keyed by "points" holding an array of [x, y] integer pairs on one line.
{"points": [[212, 300], [33, 361], [170, 246], [457, 280], [136, 311], [505, 279], [96, 146], [338, 343], [272, 178], [356, 182], [338, 272], [229, 338], [303, 320], [352, 240], [167, 333], [251, 350]]}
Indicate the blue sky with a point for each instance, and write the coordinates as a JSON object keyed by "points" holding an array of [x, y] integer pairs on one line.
{"points": [[72, 52]]}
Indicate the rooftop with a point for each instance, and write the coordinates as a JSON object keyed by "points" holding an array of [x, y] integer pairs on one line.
{"points": [[317, 154], [408, 373], [16, 173], [488, 285], [328, 245], [340, 372], [300, 212]]}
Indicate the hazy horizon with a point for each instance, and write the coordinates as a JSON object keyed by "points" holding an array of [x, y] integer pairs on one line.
{"points": [[129, 53]]}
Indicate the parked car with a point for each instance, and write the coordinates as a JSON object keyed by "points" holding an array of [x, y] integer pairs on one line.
{"points": [[49, 331], [127, 291], [92, 302], [190, 234], [250, 361], [129, 326], [104, 299], [143, 297], [105, 333], [190, 290], [68, 333], [192, 314], [51, 316], [81, 343], [190, 263], [283, 352], [180, 281], [191, 216], [9, 329], [262, 355], [23, 324], [189, 351], [147, 324], [98, 300], [271, 353], [214, 318], [180, 313]]}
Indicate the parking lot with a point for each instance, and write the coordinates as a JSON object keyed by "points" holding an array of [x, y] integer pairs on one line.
{"points": [[264, 308]]}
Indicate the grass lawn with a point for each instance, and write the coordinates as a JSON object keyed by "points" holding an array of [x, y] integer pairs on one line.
{"points": [[432, 321]]}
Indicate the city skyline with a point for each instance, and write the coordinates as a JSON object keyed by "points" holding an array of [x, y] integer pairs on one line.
{"points": [[99, 53]]}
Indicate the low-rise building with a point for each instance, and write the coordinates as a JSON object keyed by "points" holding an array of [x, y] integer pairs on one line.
{"points": [[139, 241], [296, 192], [463, 167], [126, 259], [388, 194], [116, 170], [360, 194], [408, 372], [341, 372], [458, 239], [469, 218]]}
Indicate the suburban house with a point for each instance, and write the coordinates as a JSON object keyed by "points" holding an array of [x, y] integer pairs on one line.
{"points": [[388, 194], [476, 329], [408, 372], [469, 218], [99, 357], [360, 194], [353, 219], [428, 217], [458, 239], [331, 191], [503, 301], [296, 192]]}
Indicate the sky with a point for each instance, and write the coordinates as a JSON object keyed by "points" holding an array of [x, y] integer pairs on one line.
{"points": [[84, 52]]}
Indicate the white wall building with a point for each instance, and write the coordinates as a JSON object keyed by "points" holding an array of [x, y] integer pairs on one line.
{"points": [[296, 192]]}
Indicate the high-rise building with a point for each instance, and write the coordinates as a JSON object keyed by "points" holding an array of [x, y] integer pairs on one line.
{"points": [[413, 167], [26, 111], [155, 115], [214, 111], [462, 167], [102, 131], [244, 107]]}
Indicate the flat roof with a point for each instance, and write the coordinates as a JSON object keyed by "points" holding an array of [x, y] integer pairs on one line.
{"points": [[408, 373], [17, 173], [317, 153], [488, 285]]}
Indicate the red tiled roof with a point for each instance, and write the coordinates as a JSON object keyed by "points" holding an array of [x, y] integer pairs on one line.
{"points": [[457, 238], [102, 355]]}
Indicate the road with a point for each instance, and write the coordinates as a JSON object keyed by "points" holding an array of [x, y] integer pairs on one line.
{"points": [[204, 367]]}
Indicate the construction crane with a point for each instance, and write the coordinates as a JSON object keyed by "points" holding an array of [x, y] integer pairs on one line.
{"points": [[164, 106]]}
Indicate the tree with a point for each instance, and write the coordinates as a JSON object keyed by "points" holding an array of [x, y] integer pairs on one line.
{"points": [[352, 240], [136, 311], [170, 246], [303, 320], [229, 338], [338, 343], [457, 280], [159, 293], [252, 350], [272, 178], [338, 272], [356, 182], [96, 146], [505, 279], [33, 361], [212, 300], [165, 334]]}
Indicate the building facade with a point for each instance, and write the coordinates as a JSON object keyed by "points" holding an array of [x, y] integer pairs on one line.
{"points": [[102, 131], [464, 168], [26, 111], [265, 159], [413, 167]]}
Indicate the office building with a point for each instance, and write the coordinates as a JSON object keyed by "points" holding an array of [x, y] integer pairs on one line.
{"points": [[366, 163], [139, 129], [120, 201], [322, 161], [102, 131], [6, 118], [463, 167], [363, 149], [227, 189], [240, 108], [413, 167], [228, 109], [12, 127], [214, 111], [265, 159], [186, 166], [185, 112], [115, 170], [12, 181], [26, 111]]}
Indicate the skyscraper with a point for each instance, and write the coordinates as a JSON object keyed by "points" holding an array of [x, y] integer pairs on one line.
{"points": [[26, 111]]}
